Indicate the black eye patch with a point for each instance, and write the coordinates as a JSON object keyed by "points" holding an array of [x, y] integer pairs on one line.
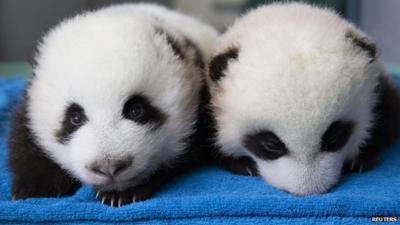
{"points": [[74, 118], [220, 62], [139, 110], [265, 144], [336, 136], [184, 49], [172, 42]]}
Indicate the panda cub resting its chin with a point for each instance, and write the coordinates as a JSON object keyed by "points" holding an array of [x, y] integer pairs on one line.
{"points": [[298, 94], [113, 104]]}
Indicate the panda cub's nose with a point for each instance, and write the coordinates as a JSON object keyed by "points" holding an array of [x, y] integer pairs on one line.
{"points": [[110, 168]]}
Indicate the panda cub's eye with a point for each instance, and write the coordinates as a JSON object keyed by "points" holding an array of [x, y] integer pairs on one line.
{"points": [[75, 115], [74, 118], [266, 145], [336, 136], [136, 111], [139, 109]]}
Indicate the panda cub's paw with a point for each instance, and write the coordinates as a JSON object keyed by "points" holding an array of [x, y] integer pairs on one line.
{"points": [[241, 166], [361, 164], [121, 198], [23, 189]]}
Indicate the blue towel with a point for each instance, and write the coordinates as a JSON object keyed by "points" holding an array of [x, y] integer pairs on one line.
{"points": [[209, 195]]}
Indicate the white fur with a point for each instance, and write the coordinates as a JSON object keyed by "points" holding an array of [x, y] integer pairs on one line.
{"points": [[98, 60], [296, 73]]}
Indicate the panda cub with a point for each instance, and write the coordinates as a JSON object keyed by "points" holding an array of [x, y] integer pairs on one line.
{"points": [[298, 94], [113, 104]]}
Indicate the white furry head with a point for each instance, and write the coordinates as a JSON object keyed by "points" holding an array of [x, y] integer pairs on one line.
{"points": [[293, 87], [117, 88]]}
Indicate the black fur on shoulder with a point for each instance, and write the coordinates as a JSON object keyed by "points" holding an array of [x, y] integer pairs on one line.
{"points": [[364, 44], [33, 173], [220, 62], [201, 141], [386, 128], [207, 149]]}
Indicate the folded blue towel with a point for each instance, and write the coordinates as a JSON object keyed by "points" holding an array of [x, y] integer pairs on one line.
{"points": [[209, 195]]}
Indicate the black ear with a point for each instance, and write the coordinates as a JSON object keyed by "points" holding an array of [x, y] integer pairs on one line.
{"points": [[364, 44], [195, 52], [220, 62], [183, 47], [173, 43], [386, 129]]}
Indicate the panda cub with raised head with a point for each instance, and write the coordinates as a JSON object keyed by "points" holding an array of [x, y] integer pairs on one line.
{"points": [[113, 104], [298, 94]]}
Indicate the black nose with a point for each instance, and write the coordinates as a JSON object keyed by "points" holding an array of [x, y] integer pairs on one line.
{"points": [[110, 168]]}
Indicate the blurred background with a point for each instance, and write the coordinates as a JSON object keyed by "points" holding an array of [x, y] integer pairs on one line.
{"points": [[23, 22]]}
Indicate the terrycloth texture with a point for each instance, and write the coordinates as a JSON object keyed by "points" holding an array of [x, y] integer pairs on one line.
{"points": [[209, 196]]}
